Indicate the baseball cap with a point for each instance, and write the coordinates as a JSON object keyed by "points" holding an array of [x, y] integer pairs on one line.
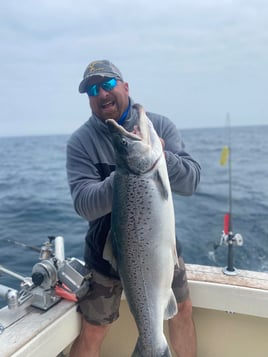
{"points": [[101, 68]]}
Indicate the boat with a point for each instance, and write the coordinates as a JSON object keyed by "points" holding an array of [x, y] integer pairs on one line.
{"points": [[230, 308], [230, 313]]}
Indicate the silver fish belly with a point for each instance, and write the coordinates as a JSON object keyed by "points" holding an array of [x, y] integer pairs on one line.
{"points": [[143, 232]]}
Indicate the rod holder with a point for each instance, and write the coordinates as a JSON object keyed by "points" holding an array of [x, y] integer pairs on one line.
{"points": [[231, 239]]}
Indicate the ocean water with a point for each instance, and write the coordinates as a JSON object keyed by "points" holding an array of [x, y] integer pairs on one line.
{"points": [[36, 203]]}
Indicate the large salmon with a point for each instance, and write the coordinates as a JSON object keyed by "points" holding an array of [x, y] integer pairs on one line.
{"points": [[143, 231]]}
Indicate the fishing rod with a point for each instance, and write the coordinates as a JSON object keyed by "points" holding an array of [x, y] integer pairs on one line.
{"points": [[228, 237], [20, 244], [45, 251], [228, 218]]}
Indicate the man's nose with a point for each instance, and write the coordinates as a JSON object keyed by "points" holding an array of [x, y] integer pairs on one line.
{"points": [[102, 92]]}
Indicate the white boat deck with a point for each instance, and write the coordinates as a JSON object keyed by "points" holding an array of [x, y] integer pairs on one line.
{"points": [[46, 334], [245, 293]]}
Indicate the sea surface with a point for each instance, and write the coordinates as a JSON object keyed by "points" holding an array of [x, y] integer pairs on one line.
{"points": [[35, 201]]}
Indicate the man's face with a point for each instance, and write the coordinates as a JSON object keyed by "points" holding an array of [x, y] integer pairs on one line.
{"points": [[109, 104]]}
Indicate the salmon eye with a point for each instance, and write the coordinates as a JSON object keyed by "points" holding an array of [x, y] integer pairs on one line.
{"points": [[123, 141]]}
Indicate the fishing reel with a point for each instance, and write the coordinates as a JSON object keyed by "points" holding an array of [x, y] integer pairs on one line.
{"points": [[230, 239], [53, 278], [57, 277], [235, 239]]}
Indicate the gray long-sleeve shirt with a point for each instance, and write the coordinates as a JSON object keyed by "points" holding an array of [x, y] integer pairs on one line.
{"points": [[90, 171]]}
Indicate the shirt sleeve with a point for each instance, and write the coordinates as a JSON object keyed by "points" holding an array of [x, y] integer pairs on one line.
{"points": [[91, 193]]}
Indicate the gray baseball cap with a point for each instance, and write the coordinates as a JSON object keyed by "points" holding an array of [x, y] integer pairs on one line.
{"points": [[101, 68]]}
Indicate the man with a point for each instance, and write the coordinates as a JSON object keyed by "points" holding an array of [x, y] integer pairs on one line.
{"points": [[90, 170]]}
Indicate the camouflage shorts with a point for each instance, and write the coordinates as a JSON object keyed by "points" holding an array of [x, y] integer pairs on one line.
{"points": [[101, 306]]}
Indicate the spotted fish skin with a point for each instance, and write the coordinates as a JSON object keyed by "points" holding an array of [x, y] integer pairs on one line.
{"points": [[143, 232]]}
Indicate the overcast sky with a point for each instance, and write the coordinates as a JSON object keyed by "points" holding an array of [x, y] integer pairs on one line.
{"points": [[191, 60]]}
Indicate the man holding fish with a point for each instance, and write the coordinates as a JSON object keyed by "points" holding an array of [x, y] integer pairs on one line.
{"points": [[122, 165]]}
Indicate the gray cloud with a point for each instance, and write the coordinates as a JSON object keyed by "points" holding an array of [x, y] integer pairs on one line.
{"points": [[191, 60]]}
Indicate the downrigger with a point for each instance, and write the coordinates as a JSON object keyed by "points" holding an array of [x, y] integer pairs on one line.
{"points": [[53, 277]]}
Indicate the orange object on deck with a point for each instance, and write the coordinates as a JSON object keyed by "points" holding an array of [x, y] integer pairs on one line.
{"points": [[65, 294]]}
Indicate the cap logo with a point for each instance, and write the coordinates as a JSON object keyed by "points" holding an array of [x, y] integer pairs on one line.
{"points": [[93, 67]]}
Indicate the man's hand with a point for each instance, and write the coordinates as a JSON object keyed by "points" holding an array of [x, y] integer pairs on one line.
{"points": [[163, 143]]}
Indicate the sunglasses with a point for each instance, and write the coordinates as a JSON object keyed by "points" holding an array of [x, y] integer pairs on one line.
{"points": [[108, 85]]}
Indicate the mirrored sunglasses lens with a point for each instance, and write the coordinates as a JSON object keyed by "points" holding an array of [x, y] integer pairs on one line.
{"points": [[109, 85], [93, 91]]}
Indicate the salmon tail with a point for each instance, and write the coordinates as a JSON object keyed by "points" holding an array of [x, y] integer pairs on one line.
{"points": [[152, 350]]}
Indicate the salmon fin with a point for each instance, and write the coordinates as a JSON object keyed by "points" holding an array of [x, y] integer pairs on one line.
{"points": [[171, 308], [160, 180], [109, 253]]}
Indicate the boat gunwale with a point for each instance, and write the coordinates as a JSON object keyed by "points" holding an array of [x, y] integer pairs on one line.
{"points": [[245, 294]]}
